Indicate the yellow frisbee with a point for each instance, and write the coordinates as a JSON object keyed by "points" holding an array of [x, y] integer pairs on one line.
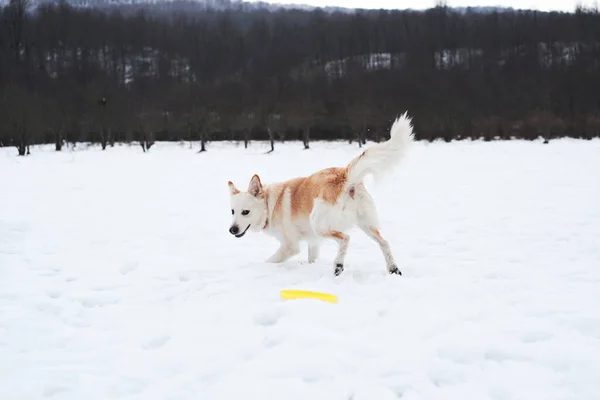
{"points": [[290, 294]]}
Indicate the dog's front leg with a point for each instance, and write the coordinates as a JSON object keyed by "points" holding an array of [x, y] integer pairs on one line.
{"points": [[313, 251], [285, 251], [279, 256]]}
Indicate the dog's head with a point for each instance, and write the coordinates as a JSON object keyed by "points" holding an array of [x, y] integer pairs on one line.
{"points": [[248, 209]]}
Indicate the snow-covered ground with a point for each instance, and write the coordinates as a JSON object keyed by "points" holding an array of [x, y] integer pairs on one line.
{"points": [[119, 279]]}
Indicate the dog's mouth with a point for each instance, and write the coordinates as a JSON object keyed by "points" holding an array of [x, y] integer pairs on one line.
{"points": [[239, 235]]}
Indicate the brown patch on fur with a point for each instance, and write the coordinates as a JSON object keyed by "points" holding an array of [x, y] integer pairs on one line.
{"points": [[376, 233], [336, 235], [335, 179], [278, 190], [326, 184]]}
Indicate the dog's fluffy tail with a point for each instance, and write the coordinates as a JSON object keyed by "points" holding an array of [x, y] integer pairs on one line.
{"points": [[379, 159]]}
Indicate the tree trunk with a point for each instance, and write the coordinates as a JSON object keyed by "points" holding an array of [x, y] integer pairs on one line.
{"points": [[23, 146], [58, 141], [272, 139], [246, 138], [143, 140], [361, 137], [306, 138], [103, 139], [191, 135], [202, 142], [146, 140]]}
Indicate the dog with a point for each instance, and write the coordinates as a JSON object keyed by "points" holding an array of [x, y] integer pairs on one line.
{"points": [[324, 205]]}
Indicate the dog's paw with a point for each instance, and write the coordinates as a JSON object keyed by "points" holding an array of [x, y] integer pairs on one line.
{"points": [[393, 270], [339, 268]]}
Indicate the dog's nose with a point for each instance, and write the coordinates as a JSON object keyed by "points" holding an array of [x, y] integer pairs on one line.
{"points": [[234, 230]]}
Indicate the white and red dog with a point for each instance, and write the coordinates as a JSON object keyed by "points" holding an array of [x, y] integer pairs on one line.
{"points": [[323, 205]]}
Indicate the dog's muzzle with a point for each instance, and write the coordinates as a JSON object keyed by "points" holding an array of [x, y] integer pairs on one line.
{"points": [[235, 230]]}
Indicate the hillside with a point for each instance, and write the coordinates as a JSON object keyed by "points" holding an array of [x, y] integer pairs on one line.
{"points": [[155, 72], [222, 5]]}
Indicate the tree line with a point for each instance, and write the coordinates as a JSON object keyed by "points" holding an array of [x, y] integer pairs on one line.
{"points": [[184, 72]]}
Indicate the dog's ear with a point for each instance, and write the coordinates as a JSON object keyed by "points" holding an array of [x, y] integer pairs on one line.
{"points": [[232, 189], [255, 187]]}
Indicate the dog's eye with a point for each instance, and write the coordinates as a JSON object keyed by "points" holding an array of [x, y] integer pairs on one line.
{"points": [[245, 212], [231, 212]]}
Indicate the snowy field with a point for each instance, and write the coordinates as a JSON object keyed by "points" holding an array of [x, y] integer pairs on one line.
{"points": [[119, 279]]}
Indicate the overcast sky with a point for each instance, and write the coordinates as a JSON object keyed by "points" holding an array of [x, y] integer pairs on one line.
{"points": [[543, 5]]}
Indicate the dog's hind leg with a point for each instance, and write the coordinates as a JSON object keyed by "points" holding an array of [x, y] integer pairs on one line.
{"points": [[343, 241], [368, 221], [375, 234], [330, 221]]}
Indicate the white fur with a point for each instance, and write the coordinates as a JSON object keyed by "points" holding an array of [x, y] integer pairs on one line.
{"points": [[256, 218], [343, 216], [327, 220], [382, 157], [287, 234]]}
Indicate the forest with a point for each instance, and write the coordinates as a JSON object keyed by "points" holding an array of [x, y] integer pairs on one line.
{"points": [[179, 71]]}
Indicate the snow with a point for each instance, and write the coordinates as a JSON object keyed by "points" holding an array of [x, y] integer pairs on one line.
{"points": [[119, 279]]}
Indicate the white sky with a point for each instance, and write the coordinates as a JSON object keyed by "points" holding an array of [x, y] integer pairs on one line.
{"points": [[543, 5]]}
